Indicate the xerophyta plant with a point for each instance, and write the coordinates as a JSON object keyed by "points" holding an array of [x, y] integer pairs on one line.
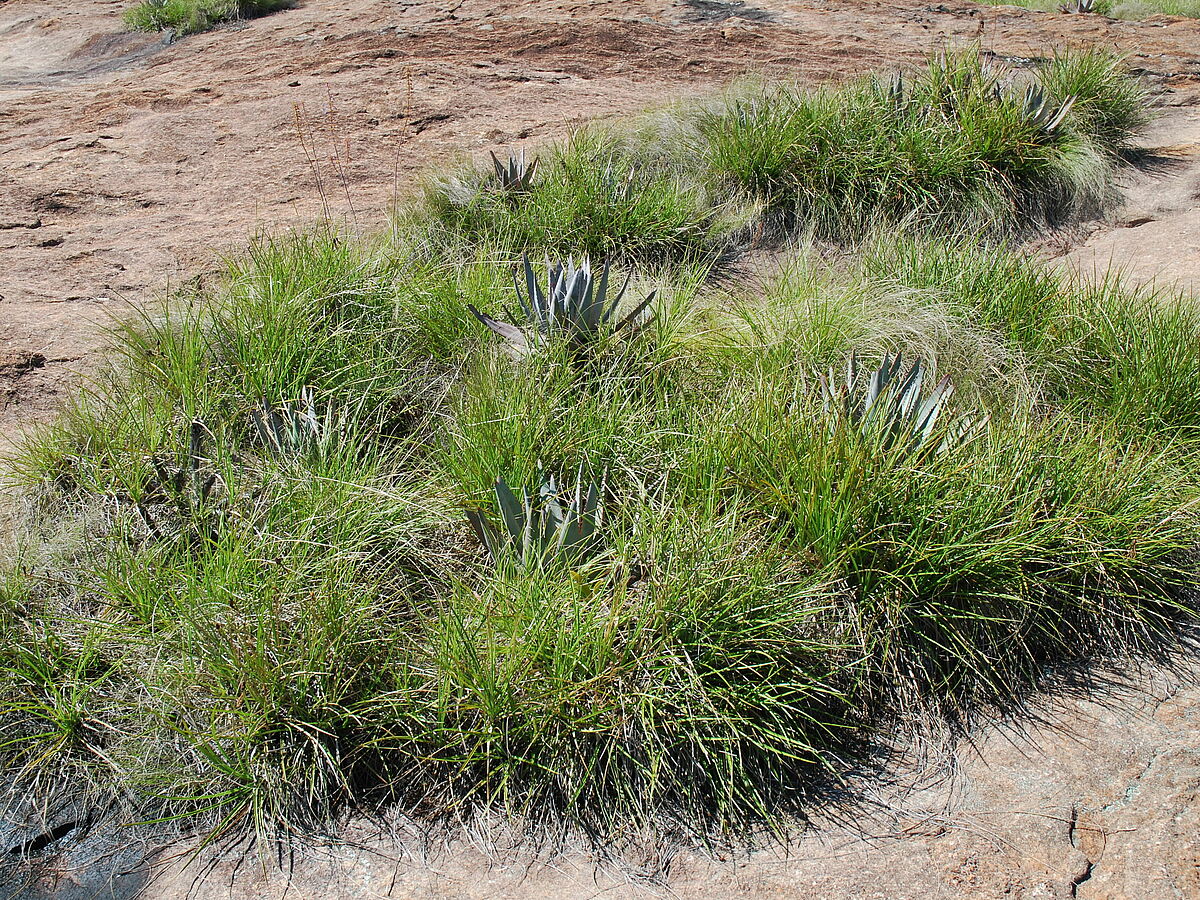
{"points": [[893, 92], [891, 412], [1041, 112], [189, 489], [515, 176], [575, 305], [293, 427], [536, 529]]}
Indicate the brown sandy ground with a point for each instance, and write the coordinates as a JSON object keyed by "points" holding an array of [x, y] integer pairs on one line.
{"points": [[127, 164]]}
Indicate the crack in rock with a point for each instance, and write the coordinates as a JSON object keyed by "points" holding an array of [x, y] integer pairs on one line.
{"points": [[1089, 864]]}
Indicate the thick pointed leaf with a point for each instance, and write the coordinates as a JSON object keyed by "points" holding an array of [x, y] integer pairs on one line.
{"points": [[588, 515], [637, 311], [826, 392], [512, 511], [909, 391], [510, 333], [262, 418], [601, 311], [536, 301], [583, 293], [931, 409], [527, 543], [964, 429], [486, 532], [1061, 115], [310, 424], [526, 308], [552, 512], [616, 300], [568, 295], [874, 388]]}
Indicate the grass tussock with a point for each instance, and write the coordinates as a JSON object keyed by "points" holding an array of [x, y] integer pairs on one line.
{"points": [[591, 197], [959, 143], [242, 628], [329, 536], [194, 16]]}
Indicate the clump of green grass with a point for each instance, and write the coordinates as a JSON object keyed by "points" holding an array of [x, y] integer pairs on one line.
{"points": [[193, 16], [371, 334], [1115, 9], [952, 145], [1109, 107], [1144, 9], [1101, 348], [251, 595], [957, 144], [243, 631], [946, 587], [591, 196]]}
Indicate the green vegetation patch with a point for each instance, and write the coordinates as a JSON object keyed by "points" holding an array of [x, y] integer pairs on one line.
{"points": [[193, 16], [1113, 9], [411, 521], [962, 144], [257, 596]]}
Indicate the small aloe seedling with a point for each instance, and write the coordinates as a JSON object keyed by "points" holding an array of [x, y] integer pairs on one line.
{"points": [[889, 410], [515, 176], [893, 92], [1041, 113], [575, 305], [293, 427], [188, 488], [537, 529]]}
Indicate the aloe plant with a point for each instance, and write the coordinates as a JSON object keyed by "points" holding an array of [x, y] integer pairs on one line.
{"points": [[293, 427], [1041, 113], [575, 305], [888, 411], [537, 529], [952, 86], [893, 92], [515, 176]]}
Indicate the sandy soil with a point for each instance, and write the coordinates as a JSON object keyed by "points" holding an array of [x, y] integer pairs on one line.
{"points": [[129, 164]]}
